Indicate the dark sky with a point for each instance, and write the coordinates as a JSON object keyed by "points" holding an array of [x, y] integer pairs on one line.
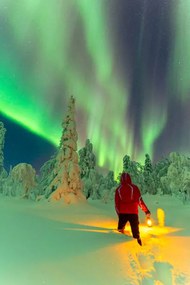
{"points": [[24, 146]]}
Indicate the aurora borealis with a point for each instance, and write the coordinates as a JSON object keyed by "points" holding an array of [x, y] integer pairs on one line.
{"points": [[127, 63]]}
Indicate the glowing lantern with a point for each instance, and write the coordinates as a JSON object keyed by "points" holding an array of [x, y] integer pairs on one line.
{"points": [[149, 222]]}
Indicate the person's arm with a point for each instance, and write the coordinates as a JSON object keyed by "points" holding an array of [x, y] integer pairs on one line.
{"points": [[144, 207], [142, 204]]}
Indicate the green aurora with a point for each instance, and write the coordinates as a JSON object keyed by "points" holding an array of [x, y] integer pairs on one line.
{"points": [[111, 63]]}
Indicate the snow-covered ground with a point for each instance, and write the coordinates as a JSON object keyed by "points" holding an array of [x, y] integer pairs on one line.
{"points": [[52, 244]]}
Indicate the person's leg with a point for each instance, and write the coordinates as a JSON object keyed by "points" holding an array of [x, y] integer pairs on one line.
{"points": [[134, 223], [122, 222]]}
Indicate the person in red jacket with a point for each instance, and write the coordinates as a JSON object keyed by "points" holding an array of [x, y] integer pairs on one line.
{"points": [[127, 200]]}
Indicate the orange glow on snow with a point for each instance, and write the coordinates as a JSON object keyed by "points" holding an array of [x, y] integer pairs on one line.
{"points": [[156, 230]]}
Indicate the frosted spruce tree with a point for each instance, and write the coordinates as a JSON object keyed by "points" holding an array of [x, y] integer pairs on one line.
{"points": [[67, 184], [109, 186], [177, 179], [87, 163], [160, 170], [46, 176], [2, 142], [3, 173], [126, 164], [149, 184], [134, 169], [87, 159], [173, 179]]}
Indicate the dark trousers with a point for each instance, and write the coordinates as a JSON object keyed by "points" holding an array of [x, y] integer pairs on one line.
{"points": [[133, 219]]}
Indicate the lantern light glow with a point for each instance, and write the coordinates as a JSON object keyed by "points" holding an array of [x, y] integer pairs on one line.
{"points": [[149, 222]]}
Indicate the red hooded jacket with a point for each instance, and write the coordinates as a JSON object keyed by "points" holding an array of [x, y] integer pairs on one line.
{"points": [[128, 197]]}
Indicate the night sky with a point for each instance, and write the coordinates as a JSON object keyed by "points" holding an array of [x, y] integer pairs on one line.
{"points": [[127, 63]]}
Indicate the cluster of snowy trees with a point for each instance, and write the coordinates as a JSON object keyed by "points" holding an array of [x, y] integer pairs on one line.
{"points": [[170, 175], [71, 175], [68, 175], [95, 185]]}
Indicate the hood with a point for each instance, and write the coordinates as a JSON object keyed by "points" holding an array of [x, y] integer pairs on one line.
{"points": [[125, 178]]}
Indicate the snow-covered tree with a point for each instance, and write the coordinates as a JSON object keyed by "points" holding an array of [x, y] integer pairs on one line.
{"points": [[134, 169], [91, 184], [178, 173], [46, 177], [3, 172], [148, 169], [108, 188], [87, 159], [160, 170], [89, 175], [149, 183], [126, 164], [2, 142], [21, 181], [67, 184], [3, 179], [185, 191]]}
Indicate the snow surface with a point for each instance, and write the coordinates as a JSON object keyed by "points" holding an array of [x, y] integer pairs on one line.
{"points": [[56, 244]]}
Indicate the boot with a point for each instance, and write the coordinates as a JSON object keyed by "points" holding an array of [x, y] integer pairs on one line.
{"points": [[121, 231], [139, 241]]}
